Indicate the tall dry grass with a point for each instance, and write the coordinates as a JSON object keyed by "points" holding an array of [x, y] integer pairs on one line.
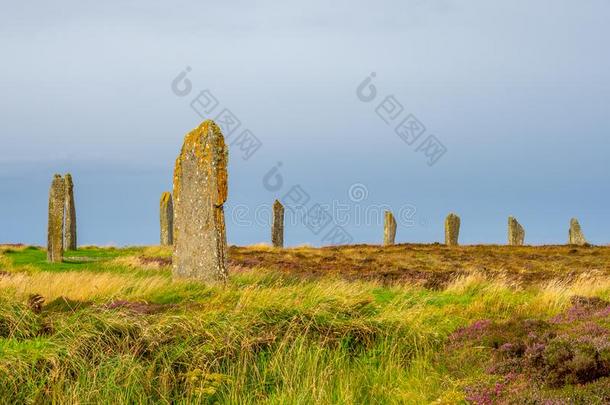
{"points": [[266, 337]]}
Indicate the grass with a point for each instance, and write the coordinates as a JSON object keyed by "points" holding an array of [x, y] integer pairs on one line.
{"points": [[358, 324]]}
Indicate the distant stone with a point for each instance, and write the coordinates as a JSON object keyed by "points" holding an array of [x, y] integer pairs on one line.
{"points": [[576, 236], [166, 215], [200, 190], [55, 231], [389, 228], [452, 230], [277, 227], [70, 212], [516, 233]]}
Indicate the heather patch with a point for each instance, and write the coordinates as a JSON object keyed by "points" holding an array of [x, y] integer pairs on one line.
{"points": [[533, 358]]}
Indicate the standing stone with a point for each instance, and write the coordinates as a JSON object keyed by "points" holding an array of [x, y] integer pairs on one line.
{"points": [[389, 228], [452, 230], [166, 215], [576, 236], [200, 190], [55, 232], [277, 227], [516, 233], [70, 212]]}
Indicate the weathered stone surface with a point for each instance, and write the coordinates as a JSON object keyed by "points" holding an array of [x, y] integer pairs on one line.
{"points": [[452, 230], [166, 215], [277, 227], [516, 233], [576, 236], [200, 190], [389, 228], [70, 213], [55, 231]]}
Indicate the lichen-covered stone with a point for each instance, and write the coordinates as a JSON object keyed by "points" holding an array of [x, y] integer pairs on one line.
{"points": [[452, 230], [166, 215], [200, 190], [277, 226], [70, 213], [516, 233], [55, 231], [576, 236], [389, 228]]}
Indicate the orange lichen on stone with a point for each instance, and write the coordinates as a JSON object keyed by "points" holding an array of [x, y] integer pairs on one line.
{"points": [[166, 197], [208, 145], [200, 190]]}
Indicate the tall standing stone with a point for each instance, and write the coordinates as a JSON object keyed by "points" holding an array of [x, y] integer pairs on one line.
{"points": [[55, 231], [166, 217], [576, 236], [389, 228], [70, 212], [277, 226], [452, 230], [200, 190], [516, 233]]}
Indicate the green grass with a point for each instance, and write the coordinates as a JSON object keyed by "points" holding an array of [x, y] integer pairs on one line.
{"points": [[113, 330], [85, 258]]}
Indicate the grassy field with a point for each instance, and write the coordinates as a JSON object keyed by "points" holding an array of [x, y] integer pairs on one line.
{"points": [[358, 324]]}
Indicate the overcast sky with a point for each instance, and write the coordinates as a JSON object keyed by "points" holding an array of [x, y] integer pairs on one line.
{"points": [[517, 92]]}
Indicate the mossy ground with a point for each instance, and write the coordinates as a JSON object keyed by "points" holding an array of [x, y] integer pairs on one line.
{"points": [[358, 324]]}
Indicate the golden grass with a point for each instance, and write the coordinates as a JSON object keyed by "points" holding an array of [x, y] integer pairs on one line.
{"points": [[5, 263], [17, 248], [81, 285], [135, 263], [157, 251], [303, 308], [261, 246]]}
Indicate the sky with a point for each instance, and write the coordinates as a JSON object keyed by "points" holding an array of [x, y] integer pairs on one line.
{"points": [[515, 93]]}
